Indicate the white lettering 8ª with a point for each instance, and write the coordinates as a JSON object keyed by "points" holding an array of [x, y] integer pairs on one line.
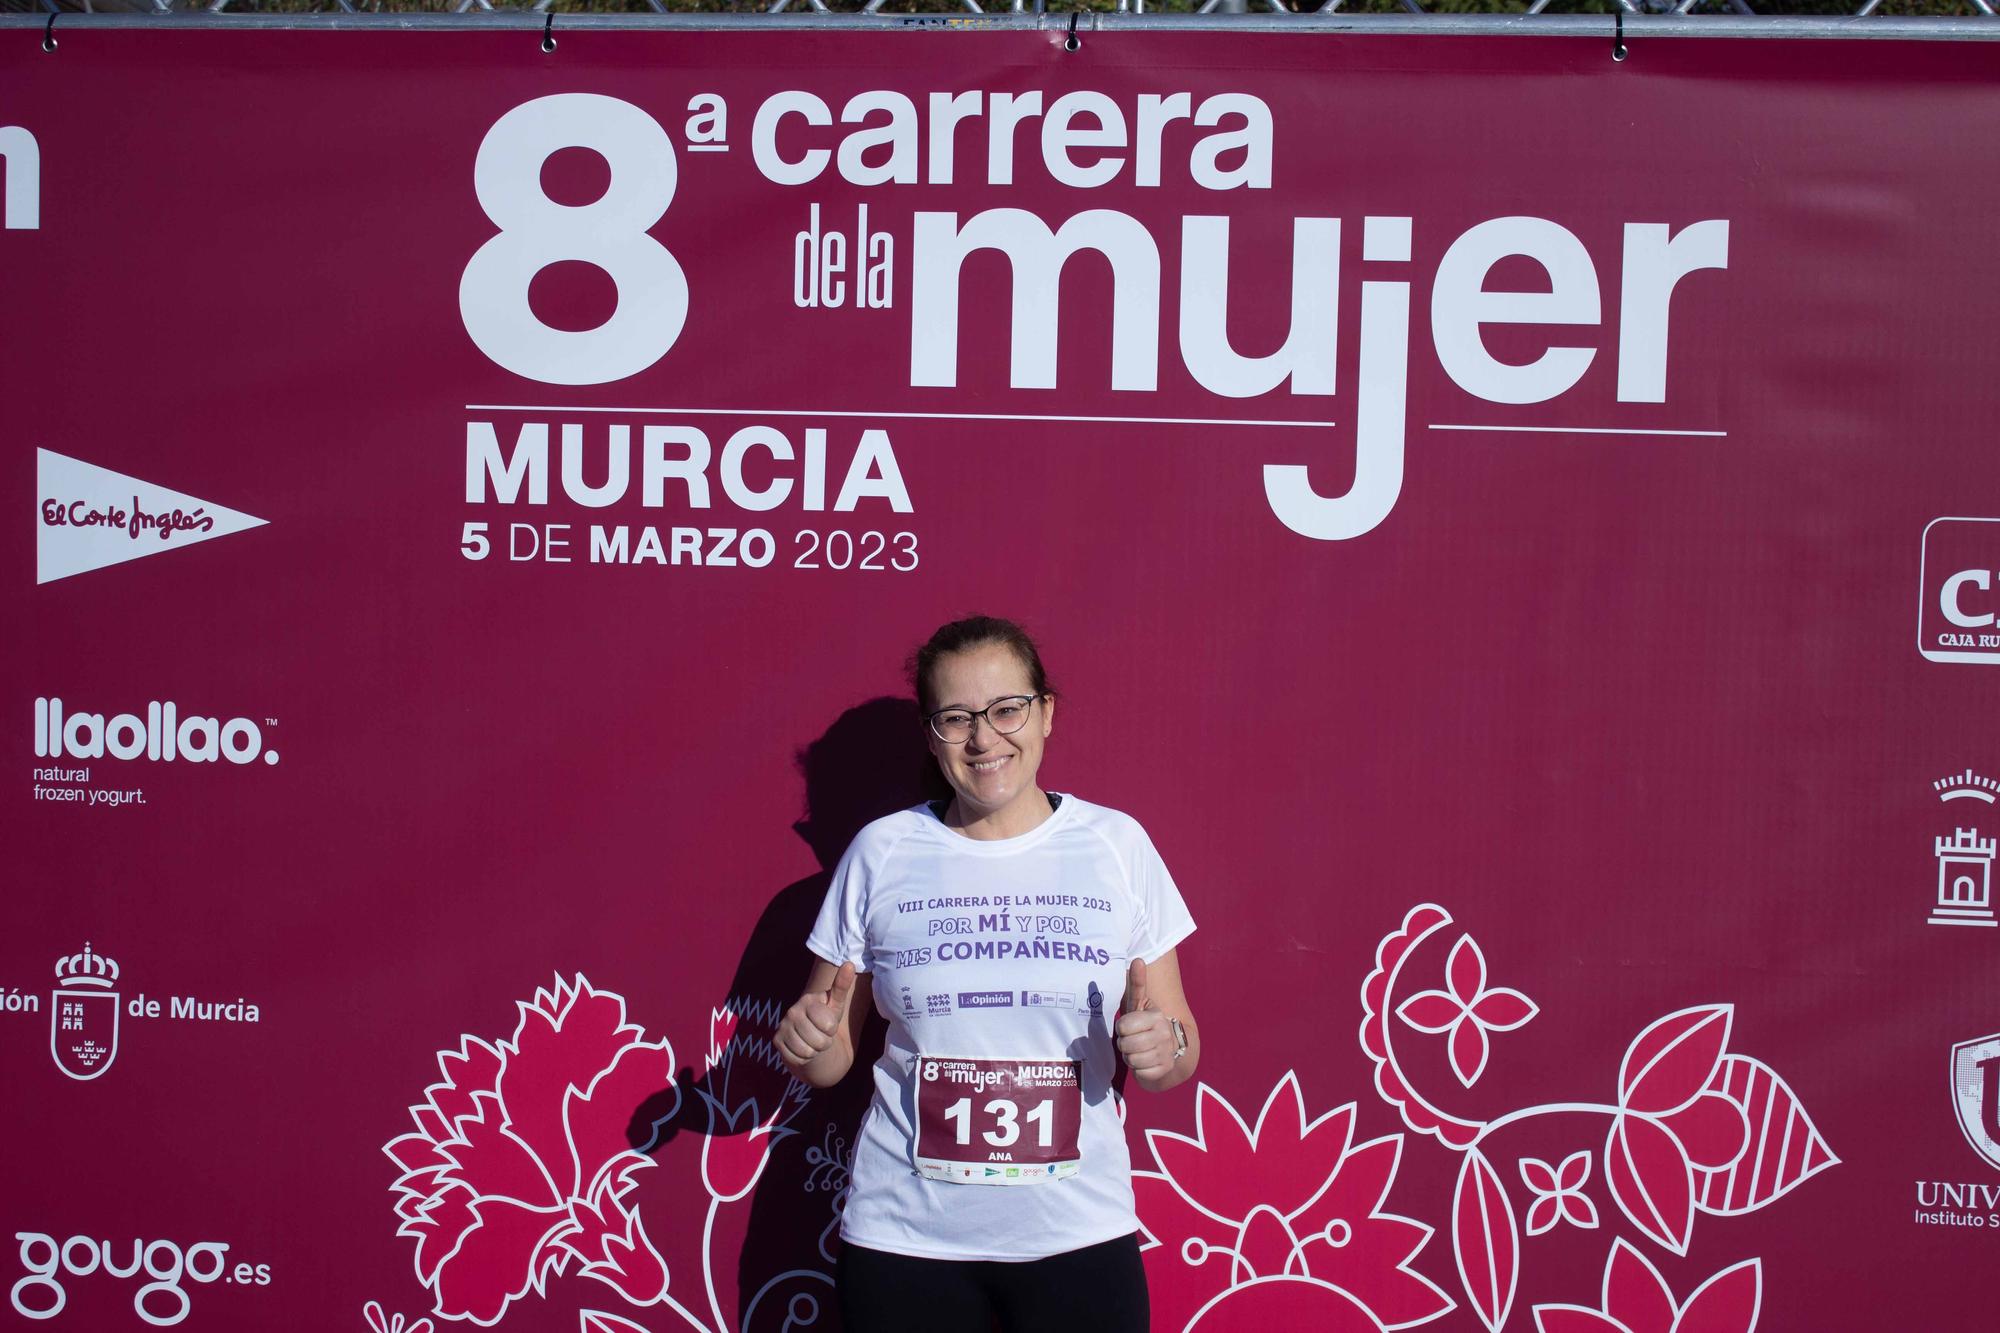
{"points": [[608, 233]]}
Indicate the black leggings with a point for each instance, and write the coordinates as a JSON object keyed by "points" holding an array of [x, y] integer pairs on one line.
{"points": [[1098, 1289]]}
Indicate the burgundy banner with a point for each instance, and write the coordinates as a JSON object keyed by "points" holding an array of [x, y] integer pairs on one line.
{"points": [[1473, 496]]}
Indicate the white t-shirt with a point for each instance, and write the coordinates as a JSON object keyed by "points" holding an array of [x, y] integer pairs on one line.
{"points": [[1010, 950]]}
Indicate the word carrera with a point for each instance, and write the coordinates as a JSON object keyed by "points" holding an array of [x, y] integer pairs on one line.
{"points": [[888, 145]]}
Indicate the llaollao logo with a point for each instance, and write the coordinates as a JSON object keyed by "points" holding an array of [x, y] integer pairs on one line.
{"points": [[160, 733]]}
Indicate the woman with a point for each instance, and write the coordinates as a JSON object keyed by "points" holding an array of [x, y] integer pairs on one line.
{"points": [[998, 933]]}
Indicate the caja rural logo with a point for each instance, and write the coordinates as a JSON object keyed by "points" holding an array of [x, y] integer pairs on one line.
{"points": [[1958, 599], [1223, 143]]}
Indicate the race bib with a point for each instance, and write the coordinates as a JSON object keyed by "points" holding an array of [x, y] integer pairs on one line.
{"points": [[998, 1122]]}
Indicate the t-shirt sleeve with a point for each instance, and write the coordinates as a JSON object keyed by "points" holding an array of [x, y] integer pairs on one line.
{"points": [[840, 935], [1161, 920]]}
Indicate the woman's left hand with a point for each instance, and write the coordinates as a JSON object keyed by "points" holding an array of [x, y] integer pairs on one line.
{"points": [[1145, 1038]]}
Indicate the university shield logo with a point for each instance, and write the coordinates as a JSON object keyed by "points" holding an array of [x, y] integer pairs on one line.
{"points": [[1975, 1092], [83, 1014]]}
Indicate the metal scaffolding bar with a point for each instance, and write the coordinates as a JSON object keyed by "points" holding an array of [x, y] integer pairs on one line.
{"points": [[1647, 18]]}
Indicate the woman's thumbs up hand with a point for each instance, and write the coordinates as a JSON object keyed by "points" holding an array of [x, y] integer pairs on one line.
{"points": [[813, 1024], [1145, 1038]]}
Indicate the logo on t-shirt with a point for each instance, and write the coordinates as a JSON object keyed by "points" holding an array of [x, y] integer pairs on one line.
{"points": [[1048, 999], [986, 999]]}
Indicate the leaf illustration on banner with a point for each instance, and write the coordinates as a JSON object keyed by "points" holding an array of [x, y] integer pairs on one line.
{"points": [[1486, 1239], [1575, 1319], [1634, 1292], [1636, 1299], [597, 1321], [1784, 1147], [1651, 1179], [1668, 1064], [1729, 1302]]}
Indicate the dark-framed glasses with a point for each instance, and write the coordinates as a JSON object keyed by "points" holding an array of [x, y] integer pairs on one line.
{"points": [[1006, 716]]}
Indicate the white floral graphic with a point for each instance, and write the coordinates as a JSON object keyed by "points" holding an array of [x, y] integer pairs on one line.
{"points": [[1283, 1220], [1558, 1193], [1467, 1011]]}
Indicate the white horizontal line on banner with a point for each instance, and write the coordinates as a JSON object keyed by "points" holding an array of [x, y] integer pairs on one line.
{"points": [[1586, 430], [901, 416]]}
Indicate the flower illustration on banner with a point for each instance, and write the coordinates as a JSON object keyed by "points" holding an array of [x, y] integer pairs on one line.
{"points": [[1668, 1126], [1392, 956], [524, 1158], [1284, 1220], [1693, 1128], [519, 1163], [1558, 1193], [380, 1321], [1636, 1299], [740, 1133], [1467, 1011]]}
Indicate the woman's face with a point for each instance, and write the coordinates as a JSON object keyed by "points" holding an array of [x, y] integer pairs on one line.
{"points": [[990, 771]]}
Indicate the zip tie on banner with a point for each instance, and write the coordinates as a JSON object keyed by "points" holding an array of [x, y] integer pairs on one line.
{"points": [[1072, 42], [49, 32], [1618, 35], [549, 32]]}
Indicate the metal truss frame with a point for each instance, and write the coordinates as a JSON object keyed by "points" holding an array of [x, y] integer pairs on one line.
{"points": [[1665, 18]]}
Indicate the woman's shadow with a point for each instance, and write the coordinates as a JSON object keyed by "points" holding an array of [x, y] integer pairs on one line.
{"points": [[866, 765]]}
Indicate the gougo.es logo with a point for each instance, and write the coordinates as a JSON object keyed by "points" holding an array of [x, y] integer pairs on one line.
{"points": [[161, 1300]]}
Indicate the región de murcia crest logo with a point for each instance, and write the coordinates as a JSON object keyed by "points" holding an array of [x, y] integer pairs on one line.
{"points": [[83, 1014]]}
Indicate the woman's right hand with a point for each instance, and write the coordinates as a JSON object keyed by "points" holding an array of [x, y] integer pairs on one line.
{"points": [[812, 1037]]}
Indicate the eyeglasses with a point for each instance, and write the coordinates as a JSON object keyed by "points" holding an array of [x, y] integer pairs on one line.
{"points": [[954, 726]]}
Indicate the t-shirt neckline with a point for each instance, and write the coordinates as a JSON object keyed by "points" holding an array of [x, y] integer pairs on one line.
{"points": [[1060, 804]]}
